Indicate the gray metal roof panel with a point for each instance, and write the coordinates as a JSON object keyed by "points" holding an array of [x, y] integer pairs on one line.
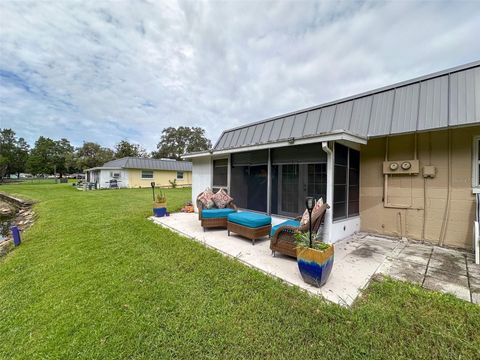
{"points": [[311, 122], [299, 125], [276, 129], [433, 111], [325, 122], [343, 115], [149, 164], [287, 128], [446, 98], [405, 109], [257, 133], [361, 111], [464, 99], [267, 129]]}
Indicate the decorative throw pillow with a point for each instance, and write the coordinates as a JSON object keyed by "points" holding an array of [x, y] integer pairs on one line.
{"points": [[221, 199], [315, 210], [206, 198]]}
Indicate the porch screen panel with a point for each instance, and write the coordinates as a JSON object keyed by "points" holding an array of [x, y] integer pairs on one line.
{"points": [[248, 182], [290, 182], [340, 182], [346, 182], [353, 183], [317, 181], [220, 170], [300, 154]]}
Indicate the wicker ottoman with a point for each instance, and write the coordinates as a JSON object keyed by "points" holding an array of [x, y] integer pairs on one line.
{"points": [[250, 225]]}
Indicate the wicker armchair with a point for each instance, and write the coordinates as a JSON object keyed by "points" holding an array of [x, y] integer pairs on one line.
{"points": [[283, 240], [216, 222]]}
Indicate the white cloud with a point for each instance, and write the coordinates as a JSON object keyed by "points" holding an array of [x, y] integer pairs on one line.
{"points": [[105, 71]]}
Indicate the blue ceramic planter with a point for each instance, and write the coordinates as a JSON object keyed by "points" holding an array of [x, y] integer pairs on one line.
{"points": [[315, 266], [160, 212]]}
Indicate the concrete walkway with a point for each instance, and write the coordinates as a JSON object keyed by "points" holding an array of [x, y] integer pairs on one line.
{"points": [[357, 259]]}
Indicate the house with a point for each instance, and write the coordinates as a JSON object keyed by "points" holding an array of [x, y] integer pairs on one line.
{"points": [[401, 160], [131, 172]]}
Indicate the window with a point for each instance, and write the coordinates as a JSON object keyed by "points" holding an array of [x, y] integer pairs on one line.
{"points": [[220, 173], [115, 175], [346, 182], [179, 175], [476, 165], [147, 174]]}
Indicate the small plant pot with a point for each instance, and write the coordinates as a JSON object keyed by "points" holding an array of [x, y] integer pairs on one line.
{"points": [[315, 265], [159, 209]]}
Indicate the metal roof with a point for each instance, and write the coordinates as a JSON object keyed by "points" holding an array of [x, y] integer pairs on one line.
{"points": [[439, 100], [148, 164]]}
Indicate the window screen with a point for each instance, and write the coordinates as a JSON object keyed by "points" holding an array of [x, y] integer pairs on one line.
{"points": [[220, 172], [346, 186], [248, 187]]}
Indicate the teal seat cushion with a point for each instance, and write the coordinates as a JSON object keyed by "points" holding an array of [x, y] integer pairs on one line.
{"points": [[250, 219], [285, 223], [216, 213]]}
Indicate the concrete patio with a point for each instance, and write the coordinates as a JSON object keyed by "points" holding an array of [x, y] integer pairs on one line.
{"points": [[357, 259]]}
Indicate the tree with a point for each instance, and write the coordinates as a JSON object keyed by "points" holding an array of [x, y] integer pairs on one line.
{"points": [[178, 141], [91, 154], [20, 156], [7, 150], [41, 159], [63, 151], [14, 152], [124, 149]]}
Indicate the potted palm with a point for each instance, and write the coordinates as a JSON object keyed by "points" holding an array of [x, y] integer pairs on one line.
{"points": [[160, 204], [314, 257]]}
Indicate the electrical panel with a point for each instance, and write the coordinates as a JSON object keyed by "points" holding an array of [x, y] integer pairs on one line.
{"points": [[401, 167]]}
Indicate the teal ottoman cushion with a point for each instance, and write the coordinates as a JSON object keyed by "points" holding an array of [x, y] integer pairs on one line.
{"points": [[249, 219], [285, 223], [216, 213]]}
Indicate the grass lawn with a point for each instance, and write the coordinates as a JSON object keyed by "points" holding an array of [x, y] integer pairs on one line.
{"points": [[95, 279]]}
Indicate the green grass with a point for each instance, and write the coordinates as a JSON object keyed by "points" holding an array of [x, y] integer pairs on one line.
{"points": [[94, 279]]}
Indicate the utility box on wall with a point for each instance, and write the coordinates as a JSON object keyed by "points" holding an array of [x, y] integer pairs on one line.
{"points": [[401, 167]]}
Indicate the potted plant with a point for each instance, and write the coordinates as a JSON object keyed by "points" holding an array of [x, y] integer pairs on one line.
{"points": [[314, 259], [160, 204]]}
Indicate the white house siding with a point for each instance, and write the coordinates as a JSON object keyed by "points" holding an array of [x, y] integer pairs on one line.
{"points": [[201, 176], [104, 181]]}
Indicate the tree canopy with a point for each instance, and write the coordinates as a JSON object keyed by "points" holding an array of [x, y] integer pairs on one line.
{"points": [[178, 141], [124, 149], [91, 154], [13, 153]]}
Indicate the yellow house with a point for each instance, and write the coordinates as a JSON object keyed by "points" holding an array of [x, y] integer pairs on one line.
{"points": [[131, 172]]}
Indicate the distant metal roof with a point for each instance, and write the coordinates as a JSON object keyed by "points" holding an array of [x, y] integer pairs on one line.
{"points": [[439, 100], [148, 164]]}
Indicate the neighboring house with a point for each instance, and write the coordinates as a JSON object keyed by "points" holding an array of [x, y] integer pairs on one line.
{"points": [[140, 172], [402, 160]]}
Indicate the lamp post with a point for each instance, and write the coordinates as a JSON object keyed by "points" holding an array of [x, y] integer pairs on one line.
{"points": [[152, 184], [310, 203]]}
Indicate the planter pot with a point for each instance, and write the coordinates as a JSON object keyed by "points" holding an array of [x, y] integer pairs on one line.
{"points": [[315, 265], [159, 209]]}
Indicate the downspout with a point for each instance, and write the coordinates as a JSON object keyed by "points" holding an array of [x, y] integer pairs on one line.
{"points": [[328, 215]]}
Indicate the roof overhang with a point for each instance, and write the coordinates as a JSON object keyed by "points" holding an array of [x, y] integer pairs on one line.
{"points": [[339, 135], [103, 168]]}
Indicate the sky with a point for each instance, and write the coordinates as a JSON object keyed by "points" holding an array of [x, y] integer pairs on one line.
{"points": [[107, 71]]}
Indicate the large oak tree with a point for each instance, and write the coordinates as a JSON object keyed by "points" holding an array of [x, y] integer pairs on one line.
{"points": [[178, 141]]}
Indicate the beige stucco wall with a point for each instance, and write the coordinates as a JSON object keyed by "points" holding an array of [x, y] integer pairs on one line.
{"points": [[160, 177], [425, 199]]}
